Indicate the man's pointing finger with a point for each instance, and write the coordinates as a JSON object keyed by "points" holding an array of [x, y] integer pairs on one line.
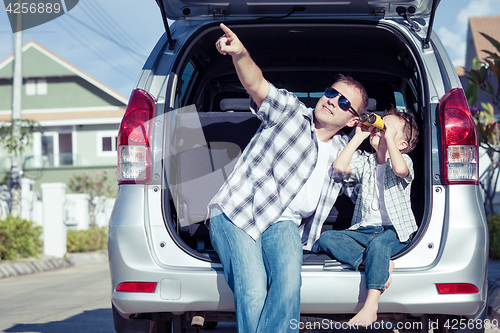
{"points": [[229, 33]]}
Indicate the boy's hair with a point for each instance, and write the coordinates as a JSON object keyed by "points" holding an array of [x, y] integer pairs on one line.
{"points": [[354, 83], [410, 128]]}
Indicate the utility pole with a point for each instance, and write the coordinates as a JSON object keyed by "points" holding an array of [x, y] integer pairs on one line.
{"points": [[17, 86]]}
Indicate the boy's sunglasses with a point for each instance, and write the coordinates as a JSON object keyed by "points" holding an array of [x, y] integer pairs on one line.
{"points": [[409, 117], [344, 103]]}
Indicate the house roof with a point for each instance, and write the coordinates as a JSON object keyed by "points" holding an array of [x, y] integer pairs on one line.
{"points": [[489, 25], [77, 116], [48, 64], [71, 97]]}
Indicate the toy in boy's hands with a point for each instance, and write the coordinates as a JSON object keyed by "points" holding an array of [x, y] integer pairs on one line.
{"points": [[372, 119]]}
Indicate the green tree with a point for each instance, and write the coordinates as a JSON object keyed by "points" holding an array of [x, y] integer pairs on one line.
{"points": [[15, 137], [17, 143], [484, 79]]}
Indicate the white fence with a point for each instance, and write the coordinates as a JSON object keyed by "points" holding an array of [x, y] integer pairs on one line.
{"points": [[56, 212]]}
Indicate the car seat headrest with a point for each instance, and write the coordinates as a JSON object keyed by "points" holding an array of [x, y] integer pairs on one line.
{"points": [[235, 104]]}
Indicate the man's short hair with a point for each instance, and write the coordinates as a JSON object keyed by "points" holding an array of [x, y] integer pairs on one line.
{"points": [[354, 83], [410, 130]]}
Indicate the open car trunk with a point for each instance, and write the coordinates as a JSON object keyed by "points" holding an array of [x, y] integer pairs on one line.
{"points": [[237, 10], [213, 124]]}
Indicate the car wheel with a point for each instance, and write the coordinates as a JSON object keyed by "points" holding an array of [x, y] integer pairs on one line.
{"points": [[453, 324], [210, 325], [123, 325]]}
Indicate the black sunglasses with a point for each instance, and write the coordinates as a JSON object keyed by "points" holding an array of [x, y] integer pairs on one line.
{"points": [[409, 117], [344, 103]]}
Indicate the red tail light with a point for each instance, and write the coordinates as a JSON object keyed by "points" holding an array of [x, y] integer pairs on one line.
{"points": [[137, 287], [459, 139], [134, 155], [456, 288]]}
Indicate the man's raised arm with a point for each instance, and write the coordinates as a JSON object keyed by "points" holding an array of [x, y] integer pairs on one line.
{"points": [[249, 73]]}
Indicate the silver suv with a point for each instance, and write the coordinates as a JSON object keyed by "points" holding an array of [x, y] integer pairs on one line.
{"points": [[188, 120]]}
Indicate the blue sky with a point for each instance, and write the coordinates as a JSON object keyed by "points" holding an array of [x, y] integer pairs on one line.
{"points": [[111, 45], [452, 19], [111, 39]]}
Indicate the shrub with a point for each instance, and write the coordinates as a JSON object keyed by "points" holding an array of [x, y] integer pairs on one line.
{"points": [[494, 230], [19, 239], [86, 240]]}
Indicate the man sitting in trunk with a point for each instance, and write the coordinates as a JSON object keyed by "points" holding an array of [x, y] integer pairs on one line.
{"points": [[275, 201]]}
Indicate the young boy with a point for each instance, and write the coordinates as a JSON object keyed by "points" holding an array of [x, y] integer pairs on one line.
{"points": [[383, 221]]}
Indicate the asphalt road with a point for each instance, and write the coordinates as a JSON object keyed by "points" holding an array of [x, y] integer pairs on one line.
{"points": [[75, 299]]}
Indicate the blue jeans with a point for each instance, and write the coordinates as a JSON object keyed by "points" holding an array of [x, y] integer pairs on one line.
{"points": [[375, 245], [264, 275]]}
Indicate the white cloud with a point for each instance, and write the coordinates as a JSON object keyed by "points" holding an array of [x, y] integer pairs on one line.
{"points": [[454, 36], [476, 8], [454, 43]]}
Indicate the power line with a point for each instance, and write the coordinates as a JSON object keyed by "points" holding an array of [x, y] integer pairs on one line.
{"points": [[126, 48], [93, 49], [101, 23], [117, 28]]}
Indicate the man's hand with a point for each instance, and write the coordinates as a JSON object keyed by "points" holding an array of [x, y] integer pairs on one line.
{"points": [[229, 43], [248, 72]]}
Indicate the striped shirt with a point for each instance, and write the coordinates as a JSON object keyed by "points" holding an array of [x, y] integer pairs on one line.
{"points": [[274, 167], [397, 192]]}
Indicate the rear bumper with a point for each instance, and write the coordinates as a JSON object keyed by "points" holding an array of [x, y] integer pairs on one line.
{"points": [[181, 289], [140, 249]]}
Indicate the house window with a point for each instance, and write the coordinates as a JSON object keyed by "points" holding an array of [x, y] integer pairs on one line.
{"points": [[107, 141], [36, 87], [57, 149], [65, 149], [41, 87], [48, 149], [30, 87]]}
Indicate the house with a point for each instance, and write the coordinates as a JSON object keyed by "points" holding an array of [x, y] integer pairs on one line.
{"points": [[79, 115], [476, 43]]}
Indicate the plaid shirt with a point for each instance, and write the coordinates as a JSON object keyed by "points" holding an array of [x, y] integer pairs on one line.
{"points": [[273, 168], [396, 193]]}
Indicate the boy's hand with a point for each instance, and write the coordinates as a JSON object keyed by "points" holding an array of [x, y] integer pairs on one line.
{"points": [[390, 132], [229, 42], [363, 131]]}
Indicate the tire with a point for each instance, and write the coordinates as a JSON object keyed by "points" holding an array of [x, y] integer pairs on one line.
{"points": [[210, 325], [450, 324], [123, 325]]}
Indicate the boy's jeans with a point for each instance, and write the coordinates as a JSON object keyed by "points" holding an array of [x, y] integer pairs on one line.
{"points": [[374, 244], [264, 275]]}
